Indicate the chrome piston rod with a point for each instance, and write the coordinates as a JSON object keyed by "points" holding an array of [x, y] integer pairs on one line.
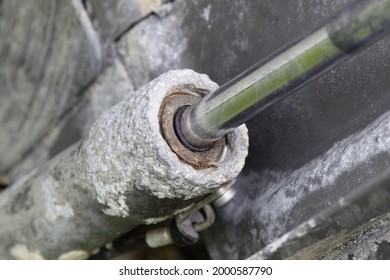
{"points": [[269, 81]]}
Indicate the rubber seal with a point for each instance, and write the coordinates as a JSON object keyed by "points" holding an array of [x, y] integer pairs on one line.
{"points": [[180, 135]]}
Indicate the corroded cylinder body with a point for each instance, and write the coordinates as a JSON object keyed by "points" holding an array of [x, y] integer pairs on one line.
{"points": [[121, 175]]}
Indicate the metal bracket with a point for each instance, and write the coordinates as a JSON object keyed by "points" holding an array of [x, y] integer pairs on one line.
{"points": [[200, 216], [184, 230], [221, 191]]}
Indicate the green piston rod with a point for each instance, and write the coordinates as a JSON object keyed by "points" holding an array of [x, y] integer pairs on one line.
{"points": [[269, 81]]}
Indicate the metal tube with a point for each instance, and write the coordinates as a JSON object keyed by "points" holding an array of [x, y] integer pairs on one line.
{"points": [[269, 81]]}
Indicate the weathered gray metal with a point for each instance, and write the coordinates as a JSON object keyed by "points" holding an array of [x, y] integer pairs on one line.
{"points": [[121, 175], [112, 86], [354, 228], [113, 17], [51, 53]]}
